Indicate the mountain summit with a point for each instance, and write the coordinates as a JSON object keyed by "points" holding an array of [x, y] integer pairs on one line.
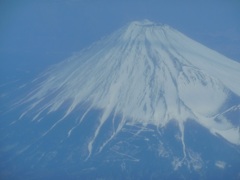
{"points": [[149, 74], [143, 75]]}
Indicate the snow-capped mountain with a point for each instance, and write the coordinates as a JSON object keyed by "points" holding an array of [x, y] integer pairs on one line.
{"points": [[143, 75]]}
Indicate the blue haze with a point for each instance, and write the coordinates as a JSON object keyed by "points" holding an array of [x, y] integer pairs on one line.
{"points": [[36, 34]]}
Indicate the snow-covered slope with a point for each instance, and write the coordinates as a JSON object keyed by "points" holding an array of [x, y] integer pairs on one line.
{"points": [[147, 73]]}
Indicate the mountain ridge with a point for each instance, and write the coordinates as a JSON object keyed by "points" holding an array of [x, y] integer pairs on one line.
{"points": [[146, 72], [144, 102]]}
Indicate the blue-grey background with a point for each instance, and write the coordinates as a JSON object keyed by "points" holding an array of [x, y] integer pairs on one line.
{"points": [[37, 33]]}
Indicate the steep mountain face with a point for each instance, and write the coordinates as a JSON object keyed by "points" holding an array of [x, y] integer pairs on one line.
{"points": [[137, 82]]}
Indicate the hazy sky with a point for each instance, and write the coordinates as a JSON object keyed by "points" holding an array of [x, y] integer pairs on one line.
{"points": [[35, 33]]}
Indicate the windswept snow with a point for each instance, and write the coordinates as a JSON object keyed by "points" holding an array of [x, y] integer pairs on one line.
{"points": [[149, 74]]}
